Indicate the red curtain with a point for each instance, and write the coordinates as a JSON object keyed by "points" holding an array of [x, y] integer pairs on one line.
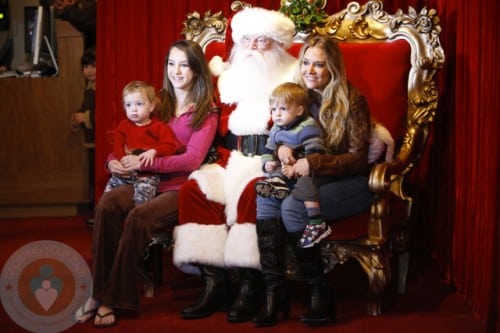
{"points": [[456, 213]]}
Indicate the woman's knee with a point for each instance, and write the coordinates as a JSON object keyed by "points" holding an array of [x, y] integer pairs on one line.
{"points": [[118, 199]]}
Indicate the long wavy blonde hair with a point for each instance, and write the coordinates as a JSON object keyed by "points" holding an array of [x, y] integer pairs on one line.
{"points": [[335, 97]]}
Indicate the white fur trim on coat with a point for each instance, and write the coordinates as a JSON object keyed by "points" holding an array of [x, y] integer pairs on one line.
{"points": [[210, 179], [241, 247], [198, 244], [240, 170], [225, 186]]}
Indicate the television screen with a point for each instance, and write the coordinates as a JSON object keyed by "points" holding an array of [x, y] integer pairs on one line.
{"points": [[39, 22]]}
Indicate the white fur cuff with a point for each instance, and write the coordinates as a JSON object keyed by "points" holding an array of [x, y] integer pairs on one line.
{"points": [[199, 244], [241, 247]]}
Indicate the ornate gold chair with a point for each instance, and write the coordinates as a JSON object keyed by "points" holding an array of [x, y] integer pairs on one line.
{"points": [[393, 60]]}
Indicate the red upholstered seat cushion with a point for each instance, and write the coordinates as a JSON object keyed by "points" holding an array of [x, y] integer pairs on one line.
{"points": [[380, 71], [356, 226]]}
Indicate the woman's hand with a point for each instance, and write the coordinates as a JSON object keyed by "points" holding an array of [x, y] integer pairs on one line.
{"points": [[285, 155], [131, 162], [116, 168], [301, 167]]}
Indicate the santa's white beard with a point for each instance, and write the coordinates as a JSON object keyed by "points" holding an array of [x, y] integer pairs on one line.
{"points": [[248, 82], [252, 73]]}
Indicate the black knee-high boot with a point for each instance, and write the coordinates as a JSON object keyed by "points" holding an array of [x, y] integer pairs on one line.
{"points": [[215, 295], [321, 300], [249, 296], [270, 235]]}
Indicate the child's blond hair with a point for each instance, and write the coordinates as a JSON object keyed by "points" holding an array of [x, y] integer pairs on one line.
{"points": [[291, 93], [147, 88]]}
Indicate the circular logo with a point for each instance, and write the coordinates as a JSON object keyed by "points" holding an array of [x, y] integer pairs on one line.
{"points": [[43, 284]]}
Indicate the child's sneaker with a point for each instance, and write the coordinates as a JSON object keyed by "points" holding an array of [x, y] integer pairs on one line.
{"points": [[313, 234], [272, 187]]}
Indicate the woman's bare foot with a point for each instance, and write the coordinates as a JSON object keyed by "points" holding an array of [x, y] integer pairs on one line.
{"points": [[105, 317]]}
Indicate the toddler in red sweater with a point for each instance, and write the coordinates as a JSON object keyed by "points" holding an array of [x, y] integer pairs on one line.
{"points": [[143, 135]]}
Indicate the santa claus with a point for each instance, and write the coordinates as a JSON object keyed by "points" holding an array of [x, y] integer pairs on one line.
{"points": [[217, 209]]}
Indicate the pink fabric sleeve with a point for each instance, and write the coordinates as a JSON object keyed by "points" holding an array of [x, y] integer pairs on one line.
{"points": [[196, 150]]}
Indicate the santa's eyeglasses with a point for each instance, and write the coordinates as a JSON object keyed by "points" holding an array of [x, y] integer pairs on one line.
{"points": [[259, 41]]}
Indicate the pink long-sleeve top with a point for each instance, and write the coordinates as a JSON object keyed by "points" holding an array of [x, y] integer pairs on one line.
{"points": [[175, 169]]}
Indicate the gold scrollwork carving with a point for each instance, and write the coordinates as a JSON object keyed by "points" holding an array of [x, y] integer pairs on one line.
{"points": [[212, 26], [239, 5]]}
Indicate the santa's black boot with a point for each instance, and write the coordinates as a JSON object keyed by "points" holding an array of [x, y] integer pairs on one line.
{"points": [[215, 295]]}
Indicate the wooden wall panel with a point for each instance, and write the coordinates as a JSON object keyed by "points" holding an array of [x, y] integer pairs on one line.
{"points": [[42, 162]]}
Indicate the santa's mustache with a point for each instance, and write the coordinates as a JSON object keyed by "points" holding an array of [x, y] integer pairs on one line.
{"points": [[250, 55]]}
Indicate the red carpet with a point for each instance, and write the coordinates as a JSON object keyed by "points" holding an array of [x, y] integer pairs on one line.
{"points": [[430, 306]]}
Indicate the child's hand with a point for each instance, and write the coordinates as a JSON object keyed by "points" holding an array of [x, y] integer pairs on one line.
{"points": [[147, 157], [288, 170], [78, 118], [270, 166]]}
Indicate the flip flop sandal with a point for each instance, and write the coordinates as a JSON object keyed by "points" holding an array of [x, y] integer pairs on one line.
{"points": [[87, 311], [101, 317]]}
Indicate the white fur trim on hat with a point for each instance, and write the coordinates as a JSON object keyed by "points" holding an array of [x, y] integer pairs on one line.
{"points": [[260, 21]]}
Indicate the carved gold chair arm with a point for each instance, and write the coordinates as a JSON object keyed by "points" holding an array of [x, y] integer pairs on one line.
{"points": [[387, 176]]}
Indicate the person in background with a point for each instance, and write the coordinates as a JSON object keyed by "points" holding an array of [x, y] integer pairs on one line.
{"points": [[142, 135], [83, 120], [82, 14], [123, 230]]}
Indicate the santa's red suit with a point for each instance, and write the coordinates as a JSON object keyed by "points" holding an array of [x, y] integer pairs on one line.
{"points": [[217, 209]]}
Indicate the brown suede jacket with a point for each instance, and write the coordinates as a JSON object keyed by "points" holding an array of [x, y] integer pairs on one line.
{"points": [[350, 157]]}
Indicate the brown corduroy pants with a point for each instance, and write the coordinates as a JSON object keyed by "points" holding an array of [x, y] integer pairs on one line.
{"points": [[121, 235]]}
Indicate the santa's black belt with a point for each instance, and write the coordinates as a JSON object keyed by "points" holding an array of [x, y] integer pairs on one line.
{"points": [[247, 144]]}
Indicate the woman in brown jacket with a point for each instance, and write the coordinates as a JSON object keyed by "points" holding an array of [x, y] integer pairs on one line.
{"points": [[345, 118]]}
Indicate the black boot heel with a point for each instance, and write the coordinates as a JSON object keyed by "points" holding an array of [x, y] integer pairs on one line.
{"points": [[249, 297], [276, 301], [215, 296], [321, 306]]}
